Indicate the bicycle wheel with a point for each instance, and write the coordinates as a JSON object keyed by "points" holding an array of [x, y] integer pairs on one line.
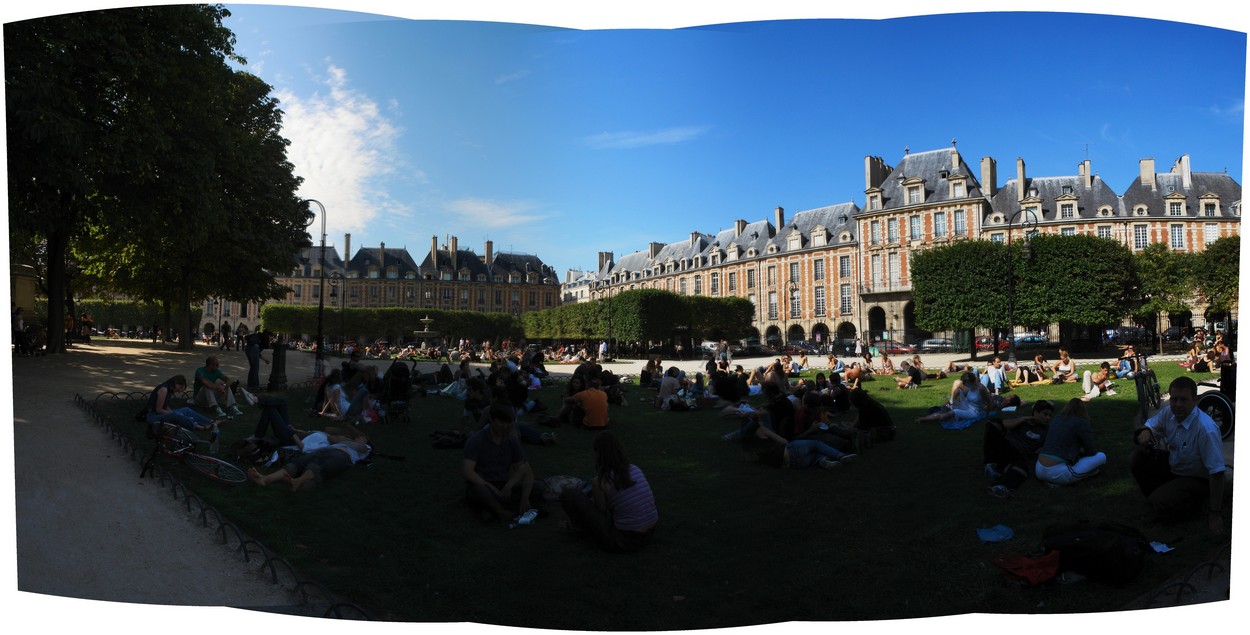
{"points": [[175, 439], [1148, 389], [215, 468], [1220, 409]]}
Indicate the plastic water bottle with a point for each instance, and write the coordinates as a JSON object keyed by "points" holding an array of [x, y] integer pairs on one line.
{"points": [[212, 437]]}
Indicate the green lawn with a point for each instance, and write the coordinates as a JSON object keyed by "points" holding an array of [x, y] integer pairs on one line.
{"points": [[890, 536]]}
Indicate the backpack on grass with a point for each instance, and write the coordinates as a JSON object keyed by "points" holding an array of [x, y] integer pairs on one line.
{"points": [[1106, 552]]}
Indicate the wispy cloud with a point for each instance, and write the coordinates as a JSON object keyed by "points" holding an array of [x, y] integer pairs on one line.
{"points": [[630, 140], [488, 213], [342, 145], [503, 79], [1234, 111]]}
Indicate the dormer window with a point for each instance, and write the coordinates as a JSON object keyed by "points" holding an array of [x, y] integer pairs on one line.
{"points": [[1140, 210], [1067, 189], [1067, 210], [373, 273], [874, 201], [392, 273], [794, 240], [481, 277], [915, 195], [844, 237], [958, 190], [464, 276], [820, 236], [772, 249], [751, 252], [1104, 211]]}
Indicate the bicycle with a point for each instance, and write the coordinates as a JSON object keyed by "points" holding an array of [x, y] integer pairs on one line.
{"points": [[1218, 406], [175, 441], [1148, 394]]}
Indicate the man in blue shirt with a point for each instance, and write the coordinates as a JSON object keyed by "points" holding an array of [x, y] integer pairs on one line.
{"points": [[497, 475], [1181, 459]]}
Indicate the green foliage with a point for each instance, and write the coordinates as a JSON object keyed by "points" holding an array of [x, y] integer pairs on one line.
{"points": [[106, 313], [961, 285], [390, 323], [1219, 273], [1079, 279], [642, 315], [1165, 279], [147, 158]]}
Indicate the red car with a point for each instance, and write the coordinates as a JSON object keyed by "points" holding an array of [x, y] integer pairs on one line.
{"points": [[890, 347], [987, 344]]}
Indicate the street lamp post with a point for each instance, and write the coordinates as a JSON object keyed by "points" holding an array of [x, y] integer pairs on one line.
{"points": [[319, 365], [335, 278], [792, 289], [1028, 223]]}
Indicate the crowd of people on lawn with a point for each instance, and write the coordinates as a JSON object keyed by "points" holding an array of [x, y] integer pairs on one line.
{"points": [[824, 421]]}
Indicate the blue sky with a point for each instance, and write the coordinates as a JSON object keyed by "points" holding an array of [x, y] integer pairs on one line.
{"points": [[563, 142]]}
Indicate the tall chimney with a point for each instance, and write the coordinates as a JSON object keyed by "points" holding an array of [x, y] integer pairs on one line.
{"points": [[989, 176], [1020, 191], [1147, 168], [653, 249], [954, 157], [1187, 179], [1087, 175], [347, 248], [434, 254], [694, 238], [454, 249], [780, 216], [739, 225], [490, 253]]}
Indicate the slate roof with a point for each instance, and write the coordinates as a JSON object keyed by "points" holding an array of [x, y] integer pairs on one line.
{"points": [[366, 257], [507, 262], [834, 218], [332, 260], [1049, 189], [1202, 183], [929, 166]]}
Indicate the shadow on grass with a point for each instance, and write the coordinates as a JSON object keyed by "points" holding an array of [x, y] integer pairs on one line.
{"points": [[890, 536]]}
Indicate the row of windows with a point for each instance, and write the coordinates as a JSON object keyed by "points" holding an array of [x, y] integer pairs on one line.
{"points": [[819, 305], [731, 277], [915, 227], [1141, 235]]}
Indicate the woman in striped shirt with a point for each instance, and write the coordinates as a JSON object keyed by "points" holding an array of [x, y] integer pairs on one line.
{"points": [[622, 515]]}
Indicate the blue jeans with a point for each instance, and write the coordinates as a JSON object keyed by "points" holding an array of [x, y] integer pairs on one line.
{"points": [[806, 452], [274, 415], [748, 427], [253, 367], [185, 417]]}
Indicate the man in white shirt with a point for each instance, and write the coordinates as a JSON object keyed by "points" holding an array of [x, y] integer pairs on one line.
{"points": [[1181, 459]]}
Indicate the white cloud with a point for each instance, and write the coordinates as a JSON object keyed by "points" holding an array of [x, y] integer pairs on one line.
{"points": [[342, 145], [629, 140], [486, 213], [503, 79]]}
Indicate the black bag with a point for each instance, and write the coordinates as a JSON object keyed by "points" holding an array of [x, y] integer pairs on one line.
{"points": [[1106, 552]]}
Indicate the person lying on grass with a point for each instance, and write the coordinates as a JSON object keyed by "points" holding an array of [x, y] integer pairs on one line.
{"points": [[622, 514], [499, 482], [969, 401], [309, 469]]}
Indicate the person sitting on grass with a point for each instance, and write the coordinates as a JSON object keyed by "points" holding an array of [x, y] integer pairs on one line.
{"points": [[995, 376], [969, 402], [1068, 454], [593, 404], [1095, 384], [336, 402], [498, 478], [872, 423], [854, 375], [887, 365], [1009, 447], [1126, 367], [160, 407], [1179, 462], [307, 470], [667, 395], [912, 378], [1065, 368], [915, 362], [620, 514], [212, 389], [774, 449]]}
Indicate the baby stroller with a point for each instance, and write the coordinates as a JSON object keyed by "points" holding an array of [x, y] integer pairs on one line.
{"points": [[396, 391]]}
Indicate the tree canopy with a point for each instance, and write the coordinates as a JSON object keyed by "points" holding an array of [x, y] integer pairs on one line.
{"points": [[139, 151]]}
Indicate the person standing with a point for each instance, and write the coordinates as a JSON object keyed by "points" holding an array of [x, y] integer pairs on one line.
{"points": [[1179, 463], [257, 341]]}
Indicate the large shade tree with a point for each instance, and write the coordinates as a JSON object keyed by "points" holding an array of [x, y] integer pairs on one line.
{"points": [[136, 148], [1165, 283], [1219, 273]]}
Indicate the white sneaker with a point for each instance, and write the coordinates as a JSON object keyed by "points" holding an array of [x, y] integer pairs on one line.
{"points": [[827, 463], [1110, 392]]}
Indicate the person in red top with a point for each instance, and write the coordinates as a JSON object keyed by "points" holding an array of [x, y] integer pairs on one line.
{"points": [[594, 404]]}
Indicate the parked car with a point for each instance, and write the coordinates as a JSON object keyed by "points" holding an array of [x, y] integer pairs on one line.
{"points": [[937, 345], [799, 347], [1132, 334], [1032, 340], [842, 347], [986, 343], [891, 347], [753, 350]]}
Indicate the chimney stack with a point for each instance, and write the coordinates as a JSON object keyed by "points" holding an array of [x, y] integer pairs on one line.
{"points": [[779, 215], [739, 225], [1147, 167], [653, 249], [454, 252], [347, 248], [434, 254], [1020, 183], [1187, 177], [490, 253], [989, 176], [382, 259], [694, 238], [1087, 175]]}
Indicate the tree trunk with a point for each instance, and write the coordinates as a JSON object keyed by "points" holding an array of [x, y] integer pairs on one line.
{"points": [[184, 318], [58, 246], [972, 343]]}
